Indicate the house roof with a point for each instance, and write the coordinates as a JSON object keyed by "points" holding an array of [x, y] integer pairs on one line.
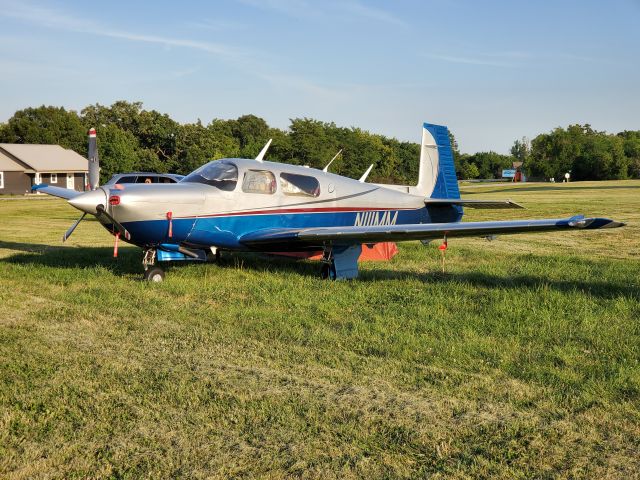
{"points": [[8, 164], [44, 158]]}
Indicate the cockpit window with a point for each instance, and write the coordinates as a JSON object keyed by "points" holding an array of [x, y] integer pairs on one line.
{"points": [[220, 174], [301, 185], [259, 181]]}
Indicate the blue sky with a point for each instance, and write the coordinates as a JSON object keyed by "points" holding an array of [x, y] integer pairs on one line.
{"points": [[492, 71]]}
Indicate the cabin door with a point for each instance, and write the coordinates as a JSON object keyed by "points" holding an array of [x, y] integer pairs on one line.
{"points": [[70, 181]]}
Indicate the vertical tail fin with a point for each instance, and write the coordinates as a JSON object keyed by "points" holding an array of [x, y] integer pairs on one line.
{"points": [[437, 177]]}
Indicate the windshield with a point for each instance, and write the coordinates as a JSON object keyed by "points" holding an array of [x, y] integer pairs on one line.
{"points": [[221, 174]]}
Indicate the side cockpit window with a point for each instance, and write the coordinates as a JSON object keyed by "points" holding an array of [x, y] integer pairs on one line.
{"points": [[220, 174], [259, 181], [300, 185]]}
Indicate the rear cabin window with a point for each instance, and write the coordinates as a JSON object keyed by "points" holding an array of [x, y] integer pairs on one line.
{"points": [[259, 181], [299, 185]]}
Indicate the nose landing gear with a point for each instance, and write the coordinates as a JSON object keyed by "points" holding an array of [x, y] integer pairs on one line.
{"points": [[152, 272]]}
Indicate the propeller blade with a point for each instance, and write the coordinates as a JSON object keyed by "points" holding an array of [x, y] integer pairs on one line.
{"points": [[72, 228], [117, 225]]}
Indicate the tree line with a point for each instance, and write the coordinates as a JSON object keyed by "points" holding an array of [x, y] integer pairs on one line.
{"points": [[131, 138]]}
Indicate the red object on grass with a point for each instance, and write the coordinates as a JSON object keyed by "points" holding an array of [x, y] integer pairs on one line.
{"points": [[115, 245], [378, 252]]}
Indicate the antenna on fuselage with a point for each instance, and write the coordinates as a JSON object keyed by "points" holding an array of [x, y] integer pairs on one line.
{"points": [[366, 174], [263, 151], [326, 169]]}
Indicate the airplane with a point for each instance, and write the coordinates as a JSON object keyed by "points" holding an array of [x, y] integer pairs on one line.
{"points": [[241, 204]]}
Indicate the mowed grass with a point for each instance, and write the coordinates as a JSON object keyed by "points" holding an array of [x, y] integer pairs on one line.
{"points": [[522, 361]]}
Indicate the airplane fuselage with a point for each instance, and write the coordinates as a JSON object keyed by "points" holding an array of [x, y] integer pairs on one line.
{"points": [[265, 195]]}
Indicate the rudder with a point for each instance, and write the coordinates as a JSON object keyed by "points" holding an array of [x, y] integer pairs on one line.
{"points": [[437, 177]]}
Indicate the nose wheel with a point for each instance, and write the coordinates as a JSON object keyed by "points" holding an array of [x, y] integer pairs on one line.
{"points": [[154, 274]]}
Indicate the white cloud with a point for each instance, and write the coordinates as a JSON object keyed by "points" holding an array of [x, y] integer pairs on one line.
{"points": [[52, 19], [242, 59]]}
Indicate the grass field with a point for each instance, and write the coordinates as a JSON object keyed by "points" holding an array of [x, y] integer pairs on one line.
{"points": [[522, 361]]}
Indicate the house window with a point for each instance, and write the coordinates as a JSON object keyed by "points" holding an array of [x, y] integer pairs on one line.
{"points": [[37, 180], [54, 178], [1, 179], [300, 185], [259, 181]]}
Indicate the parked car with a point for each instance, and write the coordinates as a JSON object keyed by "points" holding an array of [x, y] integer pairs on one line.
{"points": [[144, 177]]}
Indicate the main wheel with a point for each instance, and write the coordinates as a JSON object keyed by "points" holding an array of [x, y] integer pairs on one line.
{"points": [[154, 274]]}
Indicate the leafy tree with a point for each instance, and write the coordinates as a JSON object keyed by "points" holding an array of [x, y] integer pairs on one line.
{"points": [[133, 138], [252, 134], [579, 149], [488, 164], [123, 114], [46, 125], [118, 151], [521, 149], [631, 146], [314, 143], [467, 170]]}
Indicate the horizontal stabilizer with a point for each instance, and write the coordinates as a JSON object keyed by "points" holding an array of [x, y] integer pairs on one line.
{"points": [[486, 204], [60, 192], [283, 238]]}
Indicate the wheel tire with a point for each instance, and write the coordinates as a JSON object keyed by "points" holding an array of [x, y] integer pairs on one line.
{"points": [[154, 274]]}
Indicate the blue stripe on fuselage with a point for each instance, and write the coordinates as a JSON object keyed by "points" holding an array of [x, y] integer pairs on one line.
{"points": [[224, 231]]}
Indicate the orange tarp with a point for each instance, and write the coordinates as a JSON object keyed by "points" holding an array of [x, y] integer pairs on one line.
{"points": [[376, 252]]}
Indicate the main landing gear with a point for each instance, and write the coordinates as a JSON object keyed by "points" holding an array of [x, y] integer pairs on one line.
{"points": [[340, 263], [152, 272]]}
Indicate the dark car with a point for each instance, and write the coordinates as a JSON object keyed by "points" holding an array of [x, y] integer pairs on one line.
{"points": [[144, 177]]}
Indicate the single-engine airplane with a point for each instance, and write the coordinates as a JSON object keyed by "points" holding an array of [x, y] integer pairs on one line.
{"points": [[256, 205]]}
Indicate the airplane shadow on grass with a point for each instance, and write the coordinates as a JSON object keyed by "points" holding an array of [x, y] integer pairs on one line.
{"points": [[128, 263], [55, 256]]}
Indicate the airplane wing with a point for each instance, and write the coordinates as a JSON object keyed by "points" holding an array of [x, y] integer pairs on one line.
{"points": [[60, 192], [348, 235], [487, 204]]}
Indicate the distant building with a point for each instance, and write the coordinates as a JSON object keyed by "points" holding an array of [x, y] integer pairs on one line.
{"points": [[519, 175], [23, 165]]}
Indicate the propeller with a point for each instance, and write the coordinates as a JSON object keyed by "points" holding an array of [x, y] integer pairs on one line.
{"points": [[117, 225], [68, 233]]}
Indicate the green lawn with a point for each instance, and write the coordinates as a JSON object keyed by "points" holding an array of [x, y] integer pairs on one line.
{"points": [[522, 361]]}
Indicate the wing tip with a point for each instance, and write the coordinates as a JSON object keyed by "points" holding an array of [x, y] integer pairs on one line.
{"points": [[579, 221]]}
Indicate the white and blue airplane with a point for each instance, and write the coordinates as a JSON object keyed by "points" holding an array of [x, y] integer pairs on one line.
{"points": [[255, 205]]}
